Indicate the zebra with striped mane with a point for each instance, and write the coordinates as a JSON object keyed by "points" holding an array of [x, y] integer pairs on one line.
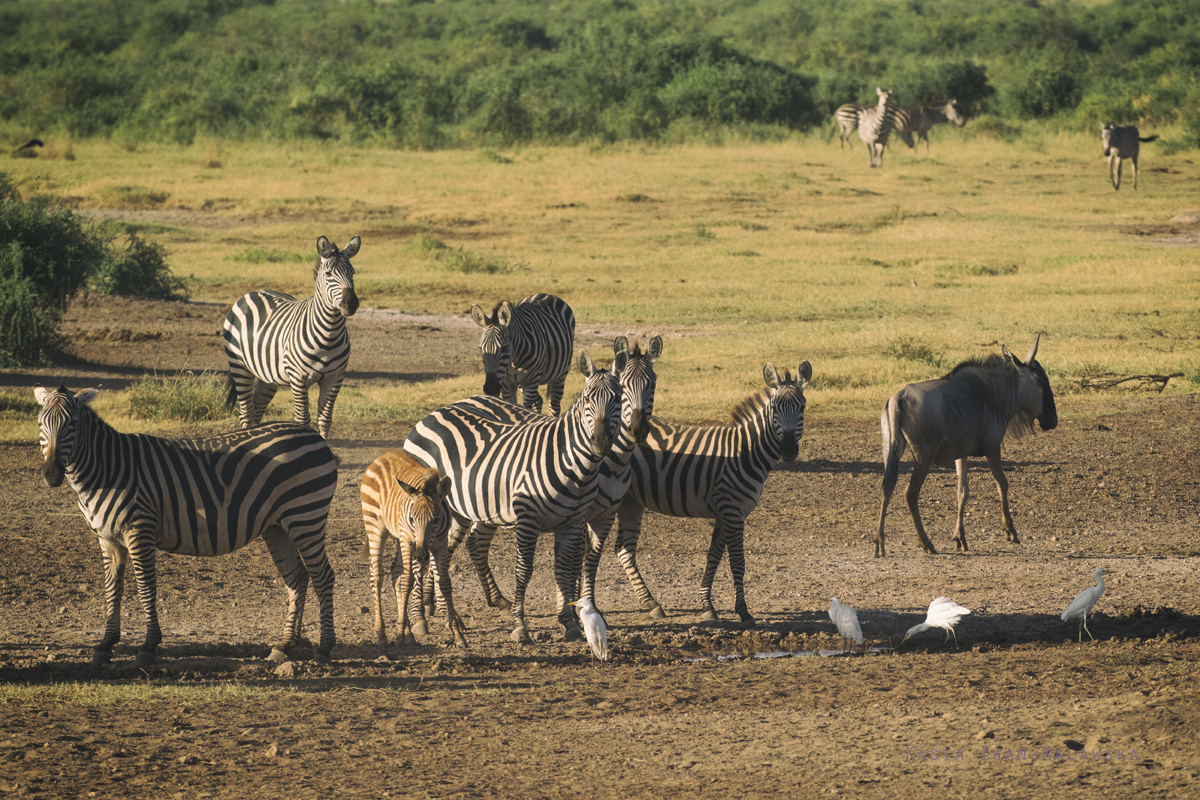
{"points": [[527, 345], [874, 126], [1122, 142], [710, 472], [845, 121], [273, 340], [205, 497], [907, 120], [508, 467]]}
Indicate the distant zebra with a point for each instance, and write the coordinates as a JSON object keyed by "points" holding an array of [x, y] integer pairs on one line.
{"points": [[203, 497], [907, 120], [537, 474], [874, 125], [1122, 142], [527, 345], [408, 500], [714, 473], [273, 340], [845, 121]]}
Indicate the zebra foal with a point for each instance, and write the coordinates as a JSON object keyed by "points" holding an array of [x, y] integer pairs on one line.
{"points": [[510, 468], [402, 497], [1122, 142], [202, 497], [527, 345], [709, 472], [273, 340]]}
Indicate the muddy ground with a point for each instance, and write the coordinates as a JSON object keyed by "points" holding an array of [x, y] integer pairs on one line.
{"points": [[683, 709]]}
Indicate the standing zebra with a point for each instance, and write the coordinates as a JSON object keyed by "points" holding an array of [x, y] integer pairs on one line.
{"points": [[537, 474], [845, 121], [274, 340], [713, 473], [527, 345], [907, 120], [1122, 142], [874, 126], [203, 497]]}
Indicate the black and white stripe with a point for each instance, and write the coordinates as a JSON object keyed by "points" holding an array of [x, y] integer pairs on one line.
{"points": [[714, 473], [527, 345], [205, 497], [1122, 142], [273, 340], [874, 126], [845, 121], [907, 120], [510, 468]]}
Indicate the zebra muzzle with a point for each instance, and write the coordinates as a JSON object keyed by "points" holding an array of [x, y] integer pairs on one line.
{"points": [[491, 385], [349, 304], [52, 470], [789, 448]]}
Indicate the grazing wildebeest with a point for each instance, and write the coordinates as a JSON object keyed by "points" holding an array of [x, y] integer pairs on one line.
{"points": [[967, 413], [1122, 142]]}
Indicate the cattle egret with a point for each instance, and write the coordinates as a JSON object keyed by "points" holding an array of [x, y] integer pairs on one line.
{"points": [[943, 613], [593, 628], [1083, 603], [846, 619]]}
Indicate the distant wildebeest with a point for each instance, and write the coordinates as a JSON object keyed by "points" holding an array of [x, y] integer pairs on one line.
{"points": [[907, 120], [874, 125], [966, 413], [1122, 142]]}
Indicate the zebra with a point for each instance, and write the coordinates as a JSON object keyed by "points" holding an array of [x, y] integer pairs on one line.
{"points": [[874, 125], [1122, 142], [527, 345], [201, 497], [907, 120], [536, 474], [710, 472], [845, 121], [403, 497], [274, 340]]}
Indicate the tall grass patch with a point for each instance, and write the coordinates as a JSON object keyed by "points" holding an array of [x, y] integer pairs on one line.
{"points": [[189, 397]]}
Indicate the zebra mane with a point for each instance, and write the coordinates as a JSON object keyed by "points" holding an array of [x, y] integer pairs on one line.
{"points": [[748, 408], [496, 309], [428, 484]]}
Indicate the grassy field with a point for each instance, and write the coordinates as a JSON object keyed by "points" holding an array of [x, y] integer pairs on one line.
{"points": [[777, 252]]}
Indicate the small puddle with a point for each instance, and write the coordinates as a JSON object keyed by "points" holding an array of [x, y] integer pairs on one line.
{"points": [[785, 654]]}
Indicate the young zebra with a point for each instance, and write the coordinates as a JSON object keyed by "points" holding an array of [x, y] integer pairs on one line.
{"points": [[537, 474], [845, 121], [527, 345], [204, 497], [408, 500], [712, 473], [907, 120], [874, 125], [273, 340], [1122, 142]]}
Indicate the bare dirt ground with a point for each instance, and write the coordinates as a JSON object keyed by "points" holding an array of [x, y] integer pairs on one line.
{"points": [[683, 709]]}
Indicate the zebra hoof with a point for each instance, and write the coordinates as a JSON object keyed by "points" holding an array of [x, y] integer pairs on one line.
{"points": [[504, 604], [278, 656], [709, 616], [521, 636], [658, 613], [101, 657], [460, 641], [749, 623], [573, 634], [430, 611], [321, 658], [420, 628], [144, 659]]}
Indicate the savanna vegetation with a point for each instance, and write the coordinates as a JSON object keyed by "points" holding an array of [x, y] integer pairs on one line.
{"points": [[499, 72]]}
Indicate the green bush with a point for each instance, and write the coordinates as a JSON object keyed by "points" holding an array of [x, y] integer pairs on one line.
{"points": [[140, 270]]}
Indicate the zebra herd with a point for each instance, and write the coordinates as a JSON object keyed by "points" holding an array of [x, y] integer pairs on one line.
{"points": [[477, 465], [875, 124]]}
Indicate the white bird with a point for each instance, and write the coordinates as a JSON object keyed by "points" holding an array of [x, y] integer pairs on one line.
{"points": [[846, 619], [593, 627], [1083, 603], [943, 613]]}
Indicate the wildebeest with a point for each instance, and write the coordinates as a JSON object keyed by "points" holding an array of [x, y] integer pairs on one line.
{"points": [[1122, 142], [966, 413]]}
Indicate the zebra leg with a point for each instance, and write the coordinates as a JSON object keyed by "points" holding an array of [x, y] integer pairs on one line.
{"points": [[919, 472], [311, 546], [1115, 181], [554, 390], [441, 565], [416, 609], [629, 530], [568, 563], [597, 534], [508, 385], [295, 578], [993, 460], [478, 543], [1132, 160], [327, 394], [531, 398], [114, 557], [375, 535], [716, 549], [142, 547], [404, 590], [260, 397], [300, 400], [733, 531], [960, 532], [527, 533]]}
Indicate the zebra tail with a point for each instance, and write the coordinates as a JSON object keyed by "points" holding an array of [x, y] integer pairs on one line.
{"points": [[230, 392], [1147, 138], [893, 444]]}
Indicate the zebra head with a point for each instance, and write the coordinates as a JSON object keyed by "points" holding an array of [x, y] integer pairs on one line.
{"points": [[600, 402], [952, 113], [1035, 398], [787, 406], [1106, 131], [495, 344], [423, 510], [56, 423], [335, 275], [637, 385]]}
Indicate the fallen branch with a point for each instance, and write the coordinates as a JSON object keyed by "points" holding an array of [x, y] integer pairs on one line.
{"points": [[1110, 380]]}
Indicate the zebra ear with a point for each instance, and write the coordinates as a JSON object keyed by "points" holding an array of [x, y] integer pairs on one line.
{"points": [[504, 315], [443, 488], [351, 248], [325, 247], [1033, 350], [804, 373], [85, 396], [408, 489], [621, 361], [41, 393], [771, 376], [479, 316], [620, 345], [655, 348], [585, 364]]}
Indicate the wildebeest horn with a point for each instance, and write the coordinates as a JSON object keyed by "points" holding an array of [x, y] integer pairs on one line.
{"points": [[1033, 350]]}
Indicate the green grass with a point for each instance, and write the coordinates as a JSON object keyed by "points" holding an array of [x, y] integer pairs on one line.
{"points": [[186, 398]]}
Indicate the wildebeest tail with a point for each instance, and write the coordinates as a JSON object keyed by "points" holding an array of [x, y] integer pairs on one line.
{"points": [[893, 443], [1147, 138]]}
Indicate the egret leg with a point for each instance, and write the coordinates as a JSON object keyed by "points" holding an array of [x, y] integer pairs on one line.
{"points": [[1085, 627]]}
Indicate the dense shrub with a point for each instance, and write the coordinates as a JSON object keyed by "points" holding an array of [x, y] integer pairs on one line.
{"points": [[140, 270]]}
